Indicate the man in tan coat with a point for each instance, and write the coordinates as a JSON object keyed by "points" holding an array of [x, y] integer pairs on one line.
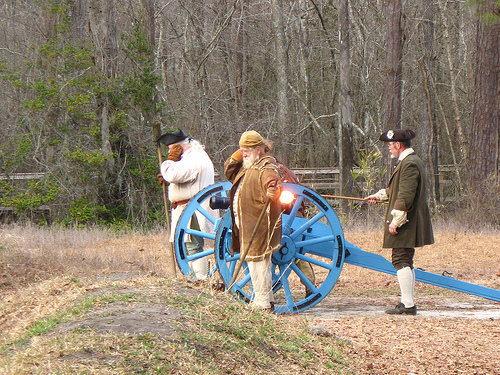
{"points": [[407, 221], [255, 176]]}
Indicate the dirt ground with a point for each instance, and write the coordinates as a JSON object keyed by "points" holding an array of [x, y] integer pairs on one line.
{"points": [[453, 333]]}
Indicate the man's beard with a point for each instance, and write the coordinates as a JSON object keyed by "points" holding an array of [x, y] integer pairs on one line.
{"points": [[250, 160]]}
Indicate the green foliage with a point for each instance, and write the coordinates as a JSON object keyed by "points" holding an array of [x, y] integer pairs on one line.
{"points": [[65, 97], [141, 86], [77, 57], [23, 151], [137, 46], [489, 11], [46, 93], [11, 74], [93, 158], [37, 194], [368, 170], [84, 212]]}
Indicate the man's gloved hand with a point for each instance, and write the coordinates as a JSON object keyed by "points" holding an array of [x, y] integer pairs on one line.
{"points": [[160, 179], [238, 156], [175, 152], [274, 192]]}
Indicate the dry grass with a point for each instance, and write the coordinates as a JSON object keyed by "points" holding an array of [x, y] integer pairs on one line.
{"points": [[152, 326], [63, 291], [36, 254], [100, 303]]}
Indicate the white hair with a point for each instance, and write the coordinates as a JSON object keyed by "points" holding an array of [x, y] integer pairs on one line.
{"points": [[193, 143]]}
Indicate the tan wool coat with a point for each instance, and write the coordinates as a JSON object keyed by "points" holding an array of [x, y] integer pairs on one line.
{"points": [[407, 192], [252, 185]]}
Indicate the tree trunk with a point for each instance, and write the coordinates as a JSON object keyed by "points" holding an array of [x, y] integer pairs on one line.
{"points": [[281, 70], [150, 30], [332, 50], [194, 51], [306, 152], [149, 21], [394, 65], [346, 157], [484, 148], [450, 51], [428, 131], [103, 32], [80, 19], [241, 54]]}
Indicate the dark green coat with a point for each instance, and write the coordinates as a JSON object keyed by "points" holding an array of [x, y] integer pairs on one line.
{"points": [[407, 192]]}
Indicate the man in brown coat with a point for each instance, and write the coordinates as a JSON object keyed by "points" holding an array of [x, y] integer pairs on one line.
{"points": [[256, 188], [407, 220]]}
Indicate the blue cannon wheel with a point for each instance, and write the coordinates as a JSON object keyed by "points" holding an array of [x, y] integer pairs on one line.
{"points": [[197, 206], [312, 237]]}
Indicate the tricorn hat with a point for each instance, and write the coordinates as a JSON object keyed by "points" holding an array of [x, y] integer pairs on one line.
{"points": [[397, 135], [172, 137]]}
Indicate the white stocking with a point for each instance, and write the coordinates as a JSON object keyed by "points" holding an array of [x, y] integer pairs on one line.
{"points": [[260, 273], [406, 284], [200, 267]]}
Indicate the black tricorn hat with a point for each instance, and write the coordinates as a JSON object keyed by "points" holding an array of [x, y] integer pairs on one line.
{"points": [[172, 137], [397, 135]]}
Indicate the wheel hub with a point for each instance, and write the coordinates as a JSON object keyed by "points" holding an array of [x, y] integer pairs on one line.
{"points": [[286, 253]]}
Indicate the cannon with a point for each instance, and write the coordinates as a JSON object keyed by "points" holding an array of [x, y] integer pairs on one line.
{"points": [[311, 232]]}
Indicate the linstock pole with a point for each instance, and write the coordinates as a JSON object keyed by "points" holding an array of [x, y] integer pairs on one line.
{"points": [[348, 198], [157, 134]]}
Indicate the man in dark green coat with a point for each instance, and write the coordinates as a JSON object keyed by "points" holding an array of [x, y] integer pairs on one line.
{"points": [[407, 220]]}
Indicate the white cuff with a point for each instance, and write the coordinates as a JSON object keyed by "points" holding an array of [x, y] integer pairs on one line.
{"points": [[399, 217], [381, 195]]}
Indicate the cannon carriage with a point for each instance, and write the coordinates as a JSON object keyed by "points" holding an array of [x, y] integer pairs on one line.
{"points": [[311, 233]]}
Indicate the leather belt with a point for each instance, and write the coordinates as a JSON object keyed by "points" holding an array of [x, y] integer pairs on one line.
{"points": [[179, 203]]}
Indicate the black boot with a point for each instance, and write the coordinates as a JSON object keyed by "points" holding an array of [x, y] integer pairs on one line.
{"points": [[401, 309]]}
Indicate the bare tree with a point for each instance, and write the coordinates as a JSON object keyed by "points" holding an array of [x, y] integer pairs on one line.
{"points": [[429, 130], [346, 155], [103, 31], [281, 69], [453, 72], [394, 65], [484, 149]]}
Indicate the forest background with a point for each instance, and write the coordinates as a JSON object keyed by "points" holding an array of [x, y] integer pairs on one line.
{"points": [[84, 82]]}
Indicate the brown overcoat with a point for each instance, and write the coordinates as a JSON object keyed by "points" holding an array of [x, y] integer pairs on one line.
{"points": [[252, 198], [407, 192]]}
